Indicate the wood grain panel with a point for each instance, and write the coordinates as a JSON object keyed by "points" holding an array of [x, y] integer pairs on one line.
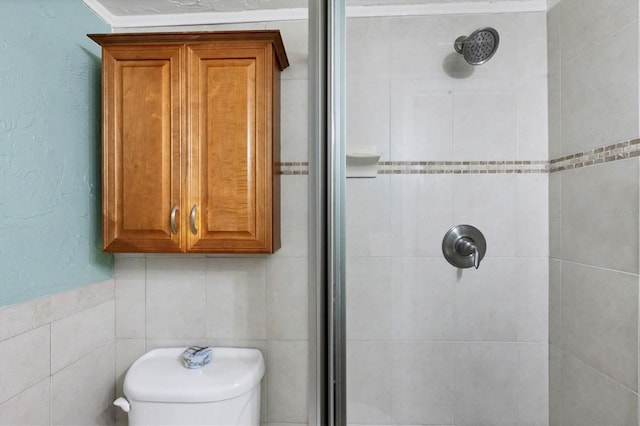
{"points": [[230, 180], [228, 156], [142, 147]]}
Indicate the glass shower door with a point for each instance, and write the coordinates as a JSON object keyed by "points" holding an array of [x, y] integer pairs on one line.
{"points": [[428, 343]]}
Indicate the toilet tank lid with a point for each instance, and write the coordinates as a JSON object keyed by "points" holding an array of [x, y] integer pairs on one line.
{"points": [[159, 376]]}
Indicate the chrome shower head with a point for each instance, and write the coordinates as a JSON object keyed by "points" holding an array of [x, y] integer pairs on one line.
{"points": [[479, 46]]}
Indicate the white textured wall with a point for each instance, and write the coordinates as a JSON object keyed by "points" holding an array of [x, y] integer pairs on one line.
{"points": [[49, 150]]}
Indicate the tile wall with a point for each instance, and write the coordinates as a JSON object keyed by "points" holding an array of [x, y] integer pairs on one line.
{"points": [[593, 270], [53, 349], [253, 301], [427, 343]]}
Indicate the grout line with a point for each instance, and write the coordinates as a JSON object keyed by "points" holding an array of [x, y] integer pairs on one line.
{"points": [[592, 368], [633, 274]]}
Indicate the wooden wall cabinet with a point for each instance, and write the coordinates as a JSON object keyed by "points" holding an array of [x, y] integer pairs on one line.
{"points": [[191, 141]]}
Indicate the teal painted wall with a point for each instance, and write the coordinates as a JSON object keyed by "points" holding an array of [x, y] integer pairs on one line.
{"points": [[49, 149]]}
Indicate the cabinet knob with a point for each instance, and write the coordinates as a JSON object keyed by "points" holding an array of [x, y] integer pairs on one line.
{"points": [[194, 209], [172, 219]]}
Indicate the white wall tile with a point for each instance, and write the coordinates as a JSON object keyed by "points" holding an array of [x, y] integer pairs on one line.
{"points": [[369, 383], [486, 377], [600, 320], [486, 302], [602, 18], [419, 45], [423, 383], [533, 384], [485, 125], [72, 402], [368, 291], [60, 305], [488, 202], [421, 211], [77, 335], [590, 398], [129, 267], [532, 212], [294, 129], [130, 278], [608, 111], [533, 118], [555, 302], [532, 44], [236, 298], [554, 95], [295, 213], [533, 299], [15, 319], [368, 217], [555, 385], [368, 47], [30, 408], [19, 372], [287, 392], [367, 115], [175, 303], [421, 120], [555, 215], [287, 299], [174, 343], [554, 23], [127, 352], [602, 199], [423, 292]]}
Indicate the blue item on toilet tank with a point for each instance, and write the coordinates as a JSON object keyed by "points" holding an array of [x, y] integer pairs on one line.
{"points": [[196, 356]]}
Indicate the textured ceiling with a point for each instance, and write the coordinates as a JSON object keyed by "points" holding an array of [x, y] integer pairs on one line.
{"points": [[170, 7]]}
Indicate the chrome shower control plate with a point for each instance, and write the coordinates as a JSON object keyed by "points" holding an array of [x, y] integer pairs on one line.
{"points": [[464, 246]]}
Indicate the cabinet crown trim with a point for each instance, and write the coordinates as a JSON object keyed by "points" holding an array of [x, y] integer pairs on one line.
{"points": [[270, 36]]}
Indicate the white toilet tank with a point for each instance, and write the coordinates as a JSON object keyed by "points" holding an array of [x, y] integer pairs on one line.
{"points": [[161, 391]]}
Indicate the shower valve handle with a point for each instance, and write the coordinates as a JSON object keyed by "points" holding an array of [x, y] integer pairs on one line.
{"points": [[464, 246]]}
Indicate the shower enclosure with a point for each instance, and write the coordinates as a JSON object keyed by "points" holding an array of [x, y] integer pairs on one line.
{"points": [[523, 138]]}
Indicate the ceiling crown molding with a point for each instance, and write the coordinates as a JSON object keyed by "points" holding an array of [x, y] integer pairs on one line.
{"points": [[268, 15]]}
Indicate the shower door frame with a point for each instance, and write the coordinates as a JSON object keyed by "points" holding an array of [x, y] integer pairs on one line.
{"points": [[327, 181]]}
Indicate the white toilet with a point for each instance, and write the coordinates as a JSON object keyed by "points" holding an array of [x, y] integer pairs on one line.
{"points": [[159, 390]]}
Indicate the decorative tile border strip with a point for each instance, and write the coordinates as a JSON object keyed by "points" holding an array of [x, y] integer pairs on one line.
{"points": [[461, 167], [294, 168], [605, 154]]}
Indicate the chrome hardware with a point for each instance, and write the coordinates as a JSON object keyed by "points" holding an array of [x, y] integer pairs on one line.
{"points": [[194, 209], [464, 246], [172, 219]]}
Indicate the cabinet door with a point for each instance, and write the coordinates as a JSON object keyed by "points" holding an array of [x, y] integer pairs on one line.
{"points": [[141, 148], [230, 174]]}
